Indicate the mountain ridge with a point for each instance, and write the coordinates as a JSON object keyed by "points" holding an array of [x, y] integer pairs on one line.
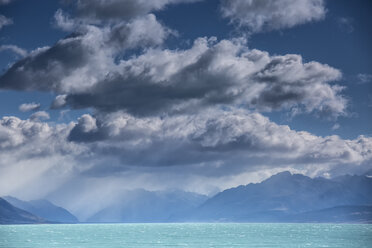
{"points": [[44, 209], [13, 215]]}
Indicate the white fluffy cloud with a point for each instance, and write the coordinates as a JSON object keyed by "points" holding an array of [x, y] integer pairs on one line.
{"points": [[35, 156], [261, 15], [168, 81], [78, 62], [206, 149], [212, 137]]}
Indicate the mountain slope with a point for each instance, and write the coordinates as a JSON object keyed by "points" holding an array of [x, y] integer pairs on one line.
{"points": [[284, 195], [339, 214], [44, 209], [12, 215]]}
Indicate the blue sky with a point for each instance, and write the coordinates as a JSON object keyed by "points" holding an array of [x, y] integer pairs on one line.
{"points": [[181, 94]]}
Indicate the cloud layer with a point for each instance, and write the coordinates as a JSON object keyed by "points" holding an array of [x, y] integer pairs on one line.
{"points": [[83, 71], [266, 15], [97, 10]]}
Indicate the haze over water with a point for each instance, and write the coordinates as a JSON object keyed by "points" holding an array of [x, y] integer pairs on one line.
{"points": [[186, 235]]}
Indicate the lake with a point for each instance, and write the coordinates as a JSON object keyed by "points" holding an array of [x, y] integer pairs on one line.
{"points": [[185, 235]]}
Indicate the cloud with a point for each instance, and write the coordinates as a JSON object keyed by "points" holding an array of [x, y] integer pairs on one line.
{"points": [[212, 150], [364, 78], [120, 9], [40, 115], [17, 50], [266, 15], [4, 21], [335, 126], [35, 157], [206, 149], [81, 60], [59, 102], [5, 2], [173, 81], [213, 137], [345, 24], [25, 107], [40, 138]]}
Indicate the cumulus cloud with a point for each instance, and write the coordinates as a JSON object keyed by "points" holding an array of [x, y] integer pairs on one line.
{"points": [[173, 81], [35, 157], [25, 107], [212, 150], [39, 137], [80, 61], [5, 21], [263, 15], [215, 137], [205, 148], [59, 102]]}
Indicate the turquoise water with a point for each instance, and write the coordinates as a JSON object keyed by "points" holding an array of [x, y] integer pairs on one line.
{"points": [[185, 235]]}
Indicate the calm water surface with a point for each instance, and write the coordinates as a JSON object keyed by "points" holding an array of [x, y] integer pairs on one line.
{"points": [[185, 235]]}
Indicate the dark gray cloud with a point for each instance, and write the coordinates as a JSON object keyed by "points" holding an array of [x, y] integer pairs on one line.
{"points": [[78, 62], [165, 81], [264, 15], [213, 137], [212, 150]]}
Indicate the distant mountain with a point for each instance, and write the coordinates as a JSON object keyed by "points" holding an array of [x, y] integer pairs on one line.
{"points": [[12, 215], [283, 196], [146, 206], [44, 209], [339, 214]]}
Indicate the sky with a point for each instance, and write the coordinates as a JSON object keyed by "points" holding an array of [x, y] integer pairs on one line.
{"points": [[99, 97]]}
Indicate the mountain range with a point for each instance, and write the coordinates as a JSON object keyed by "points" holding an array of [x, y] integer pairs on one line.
{"points": [[284, 197], [12, 215], [290, 198], [44, 209]]}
